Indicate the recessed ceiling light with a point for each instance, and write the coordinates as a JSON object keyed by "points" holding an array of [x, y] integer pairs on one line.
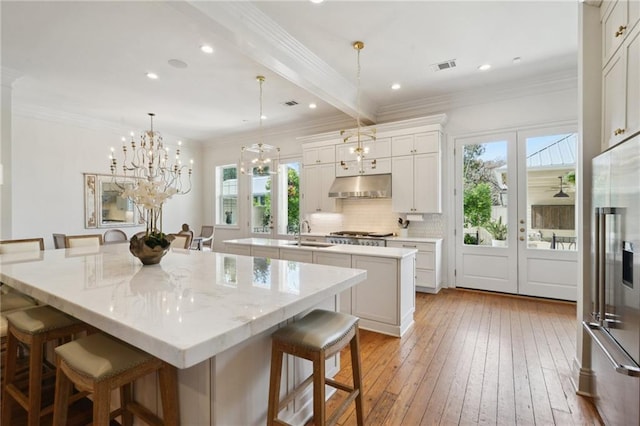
{"points": [[517, 60], [316, 1], [312, 105], [484, 67], [152, 75], [396, 86], [206, 48]]}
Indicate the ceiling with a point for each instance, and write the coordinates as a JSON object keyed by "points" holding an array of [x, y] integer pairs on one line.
{"points": [[91, 58]]}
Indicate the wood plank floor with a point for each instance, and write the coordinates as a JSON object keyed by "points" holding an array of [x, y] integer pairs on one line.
{"points": [[472, 358]]}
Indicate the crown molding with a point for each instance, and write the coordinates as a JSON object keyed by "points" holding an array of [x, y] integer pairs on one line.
{"points": [[555, 82]]}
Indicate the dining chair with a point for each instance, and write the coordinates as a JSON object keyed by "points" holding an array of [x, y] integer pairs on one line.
{"points": [[112, 236], [22, 245], [181, 240], [58, 241], [89, 240], [206, 236]]}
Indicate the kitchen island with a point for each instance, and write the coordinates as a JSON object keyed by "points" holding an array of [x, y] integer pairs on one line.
{"points": [[209, 314], [384, 302]]}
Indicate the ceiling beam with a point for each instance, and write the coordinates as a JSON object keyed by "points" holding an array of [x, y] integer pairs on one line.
{"points": [[256, 35]]}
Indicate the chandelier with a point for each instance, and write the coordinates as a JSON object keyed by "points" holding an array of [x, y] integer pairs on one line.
{"points": [[360, 151], [259, 159], [149, 160]]}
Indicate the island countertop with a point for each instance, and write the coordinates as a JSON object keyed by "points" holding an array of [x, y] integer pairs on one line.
{"points": [[190, 307], [392, 252]]}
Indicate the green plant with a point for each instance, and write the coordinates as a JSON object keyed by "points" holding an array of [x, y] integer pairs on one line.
{"points": [[477, 205], [471, 239], [156, 239], [497, 229]]}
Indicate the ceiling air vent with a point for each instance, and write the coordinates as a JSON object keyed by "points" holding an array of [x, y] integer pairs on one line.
{"points": [[451, 63], [291, 103]]}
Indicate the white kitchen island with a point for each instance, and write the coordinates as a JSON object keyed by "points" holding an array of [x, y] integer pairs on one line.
{"points": [[384, 302], [209, 314]]}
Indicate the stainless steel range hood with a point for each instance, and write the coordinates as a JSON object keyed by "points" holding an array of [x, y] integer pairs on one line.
{"points": [[371, 186]]}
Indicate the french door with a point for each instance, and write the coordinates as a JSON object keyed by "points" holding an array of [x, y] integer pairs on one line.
{"points": [[515, 212]]}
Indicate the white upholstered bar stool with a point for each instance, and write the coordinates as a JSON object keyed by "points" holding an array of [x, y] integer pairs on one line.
{"points": [[316, 337], [99, 364], [32, 328]]}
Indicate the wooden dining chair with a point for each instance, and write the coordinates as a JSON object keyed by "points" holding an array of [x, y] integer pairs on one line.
{"points": [[89, 240], [181, 240], [112, 236], [18, 246]]}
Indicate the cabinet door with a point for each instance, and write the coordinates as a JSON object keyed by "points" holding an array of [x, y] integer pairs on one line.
{"points": [[402, 145], [426, 142], [376, 298], [327, 175], [613, 31], [311, 189], [402, 184], [269, 252], [426, 183], [296, 255], [381, 148], [632, 47], [309, 156], [613, 104], [343, 261], [326, 154]]}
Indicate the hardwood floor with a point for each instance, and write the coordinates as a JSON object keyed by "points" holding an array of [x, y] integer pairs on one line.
{"points": [[473, 358]]}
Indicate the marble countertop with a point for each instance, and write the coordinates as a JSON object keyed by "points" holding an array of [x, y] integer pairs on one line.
{"points": [[185, 310], [393, 252], [415, 239]]}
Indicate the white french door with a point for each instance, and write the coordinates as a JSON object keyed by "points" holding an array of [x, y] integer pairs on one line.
{"points": [[515, 212]]}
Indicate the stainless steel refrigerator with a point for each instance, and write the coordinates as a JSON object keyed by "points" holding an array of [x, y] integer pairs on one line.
{"points": [[614, 324]]}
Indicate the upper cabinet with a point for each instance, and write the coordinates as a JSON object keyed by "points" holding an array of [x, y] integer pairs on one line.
{"points": [[377, 158], [319, 155], [416, 171], [621, 72]]}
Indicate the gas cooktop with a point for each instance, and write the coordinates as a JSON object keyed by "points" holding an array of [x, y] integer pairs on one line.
{"points": [[362, 234]]}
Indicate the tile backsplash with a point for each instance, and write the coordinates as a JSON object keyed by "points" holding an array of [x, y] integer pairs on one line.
{"points": [[374, 215]]}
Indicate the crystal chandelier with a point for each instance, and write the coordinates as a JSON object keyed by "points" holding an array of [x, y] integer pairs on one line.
{"points": [[360, 151], [259, 159], [149, 160]]}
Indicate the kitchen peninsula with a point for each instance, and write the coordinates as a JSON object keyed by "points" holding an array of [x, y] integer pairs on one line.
{"points": [[384, 302], [209, 314]]}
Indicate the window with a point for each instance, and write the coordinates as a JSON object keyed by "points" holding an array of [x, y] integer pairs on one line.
{"points": [[289, 198], [227, 195]]}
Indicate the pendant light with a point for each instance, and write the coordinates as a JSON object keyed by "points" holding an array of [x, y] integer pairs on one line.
{"points": [[561, 193]]}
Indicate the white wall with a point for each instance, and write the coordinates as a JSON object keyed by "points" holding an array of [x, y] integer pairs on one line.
{"points": [[48, 161]]}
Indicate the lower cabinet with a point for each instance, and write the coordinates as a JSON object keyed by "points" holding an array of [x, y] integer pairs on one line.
{"points": [[343, 261], [428, 264]]}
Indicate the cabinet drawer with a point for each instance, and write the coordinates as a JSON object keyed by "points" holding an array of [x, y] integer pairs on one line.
{"points": [[426, 259], [425, 278], [413, 245], [270, 252]]}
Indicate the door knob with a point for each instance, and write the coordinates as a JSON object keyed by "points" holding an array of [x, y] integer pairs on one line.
{"points": [[521, 238], [521, 220], [521, 229]]}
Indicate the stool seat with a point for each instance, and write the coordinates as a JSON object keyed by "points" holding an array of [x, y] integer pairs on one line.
{"points": [[317, 330], [11, 301], [98, 364], [316, 337], [40, 320], [100, 357]]}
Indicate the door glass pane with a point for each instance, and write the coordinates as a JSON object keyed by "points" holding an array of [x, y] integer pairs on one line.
{"points": [[227, 195], [289, 198], [551, 178], [485, 194], [261, 220]]}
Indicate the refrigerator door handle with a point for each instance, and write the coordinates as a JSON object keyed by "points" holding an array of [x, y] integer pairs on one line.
{"points": [[626, 368]]}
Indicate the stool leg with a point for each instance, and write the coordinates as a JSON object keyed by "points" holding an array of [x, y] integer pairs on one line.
{"points": [[357, 376], [35, 380], [274, 384], [169, 394], [61, 399], [319, 417], [126, 397], [101, 404], [9, 377]]}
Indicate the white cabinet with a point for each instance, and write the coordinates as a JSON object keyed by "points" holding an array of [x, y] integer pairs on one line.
{"points": [[380, 151], [621, 81], [336, 259], [428, 264], [319, 155], [619, 19], [315, 189], [416, 183], [270, 252], [296, 255], [419, 143], [242, 250]]}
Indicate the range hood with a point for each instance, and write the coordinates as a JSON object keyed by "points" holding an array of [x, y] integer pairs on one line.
{"points": [[371, 186]]}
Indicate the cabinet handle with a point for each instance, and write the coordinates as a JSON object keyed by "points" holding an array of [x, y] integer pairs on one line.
{"points": [[617, 132], [409, 246], [621, 30], [521, 238], [521, 229]]}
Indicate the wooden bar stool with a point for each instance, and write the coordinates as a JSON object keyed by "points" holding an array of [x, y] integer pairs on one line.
{"points": [[316, 337], [98, 364], [32, 328]]}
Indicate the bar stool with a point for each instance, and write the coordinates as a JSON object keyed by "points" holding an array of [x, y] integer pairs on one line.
{"points": [[98, 364], [316, 337], [32, 328]]}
